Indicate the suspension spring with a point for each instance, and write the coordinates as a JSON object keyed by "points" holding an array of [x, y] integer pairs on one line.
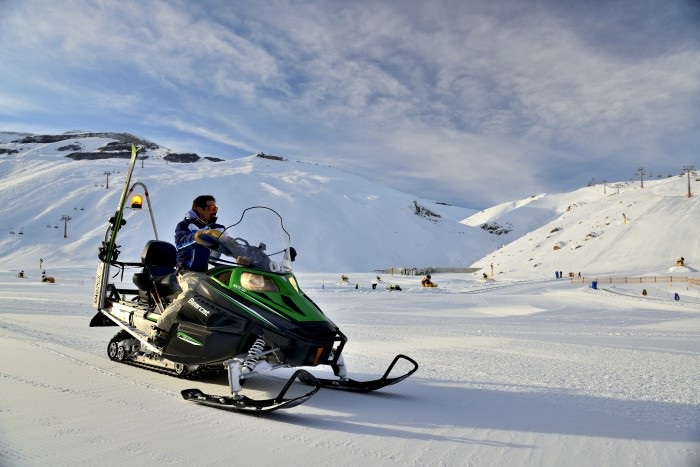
{"points": [[255, 350]]}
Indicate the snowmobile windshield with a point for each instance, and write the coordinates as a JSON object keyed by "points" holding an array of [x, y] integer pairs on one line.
{"points": [[257, 240]]}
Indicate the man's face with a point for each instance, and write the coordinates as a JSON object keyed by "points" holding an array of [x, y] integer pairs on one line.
{"points": [[206, 213]]}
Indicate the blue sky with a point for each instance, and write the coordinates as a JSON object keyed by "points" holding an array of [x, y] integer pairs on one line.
{"points": [[468, 102]]}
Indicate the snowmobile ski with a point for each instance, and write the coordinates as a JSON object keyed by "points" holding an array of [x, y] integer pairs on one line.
{"points": [[240, 403], [349, 384]]}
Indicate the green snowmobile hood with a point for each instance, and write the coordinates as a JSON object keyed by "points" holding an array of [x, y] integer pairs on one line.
{"points": [[278, 293]]}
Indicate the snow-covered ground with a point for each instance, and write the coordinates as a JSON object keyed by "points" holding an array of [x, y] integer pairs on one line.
{"points": [[511, 373], [519, 369]]}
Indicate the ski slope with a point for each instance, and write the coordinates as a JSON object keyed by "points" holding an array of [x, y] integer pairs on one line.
{"points": [[538, 372]]}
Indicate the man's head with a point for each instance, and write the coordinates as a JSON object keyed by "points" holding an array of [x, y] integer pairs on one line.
{"points": [[205, 207]]}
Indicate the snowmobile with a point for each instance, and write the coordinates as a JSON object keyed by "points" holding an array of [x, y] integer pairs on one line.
{"points": [[245, 316]]}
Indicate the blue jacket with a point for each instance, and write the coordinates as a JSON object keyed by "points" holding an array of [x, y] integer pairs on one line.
{"points": [[190, 255]]}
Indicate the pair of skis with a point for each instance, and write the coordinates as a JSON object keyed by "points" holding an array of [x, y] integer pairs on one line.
{"points": [[108, 251]]}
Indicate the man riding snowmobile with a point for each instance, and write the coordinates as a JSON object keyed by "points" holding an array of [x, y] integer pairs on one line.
{"points": [[193, 239]]}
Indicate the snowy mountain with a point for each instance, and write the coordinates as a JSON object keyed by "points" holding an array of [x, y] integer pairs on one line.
{"points": [[618, 228], [338, 221], [58, 191]]}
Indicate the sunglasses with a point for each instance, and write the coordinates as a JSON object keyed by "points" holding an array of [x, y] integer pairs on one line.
{"points": [[212, 208]]}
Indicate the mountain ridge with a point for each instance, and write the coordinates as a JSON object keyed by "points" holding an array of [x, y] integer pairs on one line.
{"points": [[340, 221]]}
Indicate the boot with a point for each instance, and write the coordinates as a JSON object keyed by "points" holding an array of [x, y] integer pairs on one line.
{"points": [[159, 338]]}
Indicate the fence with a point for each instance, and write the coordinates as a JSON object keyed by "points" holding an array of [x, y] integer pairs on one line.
{"points": [[636, 280], [414, 271]]}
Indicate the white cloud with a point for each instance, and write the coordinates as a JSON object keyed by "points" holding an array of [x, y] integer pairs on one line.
{"points": [[374, 83]]}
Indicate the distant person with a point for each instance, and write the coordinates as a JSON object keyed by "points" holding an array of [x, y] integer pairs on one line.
{"points": [[427, 281]]}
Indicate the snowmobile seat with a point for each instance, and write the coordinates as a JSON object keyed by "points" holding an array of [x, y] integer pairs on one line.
{"points": [[159, 260]]}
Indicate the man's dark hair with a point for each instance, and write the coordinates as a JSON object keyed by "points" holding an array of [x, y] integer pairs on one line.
{"points": [[201, 201]]}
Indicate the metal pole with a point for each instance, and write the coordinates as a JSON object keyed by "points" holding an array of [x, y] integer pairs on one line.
{"points": [[641, 175], [688, 169], [148, 201], [107, 184], [65, 220]]}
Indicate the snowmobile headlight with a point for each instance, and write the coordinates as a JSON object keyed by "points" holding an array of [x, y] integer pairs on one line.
{"points": [[293, 281], [258, 283]]}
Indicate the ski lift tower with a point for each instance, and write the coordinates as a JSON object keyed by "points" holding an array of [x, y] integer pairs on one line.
{"points": [[688, 169], [107, 173], [65, 220]]}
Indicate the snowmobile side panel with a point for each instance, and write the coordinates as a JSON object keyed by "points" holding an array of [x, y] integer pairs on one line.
{"points": [[191, 343]]}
